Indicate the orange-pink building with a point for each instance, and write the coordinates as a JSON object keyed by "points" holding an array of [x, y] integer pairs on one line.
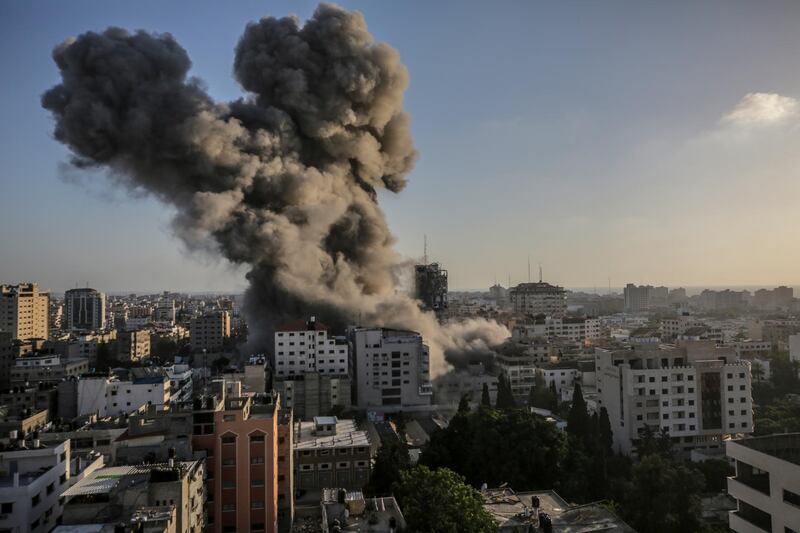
{"points": [[247, 441]]}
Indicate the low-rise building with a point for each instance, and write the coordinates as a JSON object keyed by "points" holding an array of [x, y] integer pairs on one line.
{"points": [[767, 483], [576, 329], [133, 345], [34, 369], [329, 452], [113, 396], [122, 493]]}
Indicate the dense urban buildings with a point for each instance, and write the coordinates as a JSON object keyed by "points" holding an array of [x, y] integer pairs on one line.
{"points": [[24, 311], [85, 309]]}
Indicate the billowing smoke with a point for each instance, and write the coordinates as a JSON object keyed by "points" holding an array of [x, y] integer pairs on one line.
{"points": [[283, 180]]}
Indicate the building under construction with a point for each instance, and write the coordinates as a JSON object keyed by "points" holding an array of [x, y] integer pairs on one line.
{"points": [[430, 286]]}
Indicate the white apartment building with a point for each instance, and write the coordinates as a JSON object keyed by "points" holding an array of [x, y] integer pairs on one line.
{"points": [[698, 392], [391, 369], [304, 346], [32, 480], [672, 328], [180, 383], [766, 485], [563, 375], [113, 397], [538, 299], [574, 329], [24, 311]]}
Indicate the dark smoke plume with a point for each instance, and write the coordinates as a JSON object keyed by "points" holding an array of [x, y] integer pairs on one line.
{"points": [[283, 180]]}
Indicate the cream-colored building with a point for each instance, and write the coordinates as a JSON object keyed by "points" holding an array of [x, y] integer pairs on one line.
{"points": [[767, 483], [209, 331], [24, 311]]}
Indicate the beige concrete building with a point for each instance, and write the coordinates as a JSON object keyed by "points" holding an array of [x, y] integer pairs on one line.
{"points": [[330, 453], [538, 298], [133, 345], [24, 311], [209, 331], [766, 485], [34, 369]]}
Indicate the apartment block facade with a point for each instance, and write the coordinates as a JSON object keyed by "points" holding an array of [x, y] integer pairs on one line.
{"points": [[85, 309], [24, 311], [539, 298], [210, 331], [304, 346], [391, 369], [699, 393]]}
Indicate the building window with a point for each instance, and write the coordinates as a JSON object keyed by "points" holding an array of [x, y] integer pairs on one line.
{"points": [[229, 439], [256, 504], [256, 438], [256, 460], [229, 462], [228, 507], [7, 508], [256, 482], [228, 418]]}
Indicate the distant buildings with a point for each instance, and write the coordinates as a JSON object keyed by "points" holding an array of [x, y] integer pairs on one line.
{"points": [[640, 298], [767, 483], [133, 345], [85, 309], [430, 286], [576, 329], [304, 346], [210, 331], [391, 369], [697, 392], [24, 311], [30, 369], [539, 298]]}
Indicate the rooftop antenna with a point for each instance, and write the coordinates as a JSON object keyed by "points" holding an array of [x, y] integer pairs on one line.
{"points": [[425, 249], [540, 272], [529, 268]]}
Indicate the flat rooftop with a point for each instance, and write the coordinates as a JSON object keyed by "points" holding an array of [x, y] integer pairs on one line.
{"points": [[785, 446], [347, 434], [511, 509]]}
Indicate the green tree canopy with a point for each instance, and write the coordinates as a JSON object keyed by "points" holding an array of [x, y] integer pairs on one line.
{"points": [[525, 450], [438, 501], [486, 400], [391, 459]]}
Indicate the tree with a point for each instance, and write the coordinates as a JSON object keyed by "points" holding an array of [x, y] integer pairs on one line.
{"points": [[605, 435], [540, 395], [578, 422], [505, 397], [525, 449], [715, 472], [463, 403], [553, 397], [220, 364], [486, 400], [664, 496], [391, 459], [438, 501]]}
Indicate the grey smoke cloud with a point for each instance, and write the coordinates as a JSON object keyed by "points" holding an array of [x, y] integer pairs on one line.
{"points": [[283, 180]]}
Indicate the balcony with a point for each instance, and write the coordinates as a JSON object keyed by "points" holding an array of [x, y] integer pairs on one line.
{"points": [[748, 519]]}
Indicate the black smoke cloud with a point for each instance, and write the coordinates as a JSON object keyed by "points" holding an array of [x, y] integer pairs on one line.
{"points": [[283, 180]]}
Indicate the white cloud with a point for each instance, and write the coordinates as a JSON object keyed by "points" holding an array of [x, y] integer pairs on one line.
{"points": [[763, 109]]}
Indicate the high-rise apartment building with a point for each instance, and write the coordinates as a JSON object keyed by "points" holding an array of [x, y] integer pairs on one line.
{"points": [[210, 331], [430, 286], [248, 461], [24, 311], [304, 346], [698, 392], [538, 298], [391, 369], [637, 297], [133, 345], [85, 309]]}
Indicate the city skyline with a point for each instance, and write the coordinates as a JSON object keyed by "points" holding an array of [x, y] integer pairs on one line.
{"points": [[677, 175]]}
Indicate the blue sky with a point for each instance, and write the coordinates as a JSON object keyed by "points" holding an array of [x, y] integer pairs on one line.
{"points": [[603, 139]]}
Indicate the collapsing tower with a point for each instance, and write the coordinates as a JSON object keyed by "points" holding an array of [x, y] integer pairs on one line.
{"points": [[430, 282]]}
